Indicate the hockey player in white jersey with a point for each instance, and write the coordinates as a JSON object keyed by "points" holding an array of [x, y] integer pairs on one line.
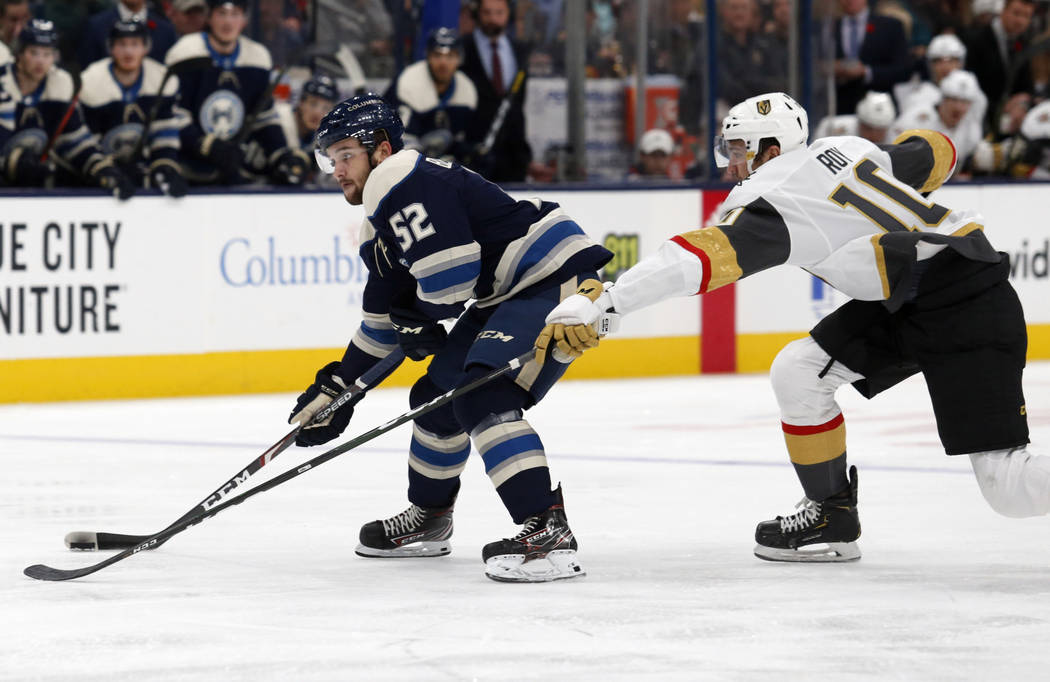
{"points": [[930, 294], [957, 113], [875, 114]]}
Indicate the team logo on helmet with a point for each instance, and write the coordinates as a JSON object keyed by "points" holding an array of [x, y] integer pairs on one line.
{"points": [[764, 107], [222, 114]]}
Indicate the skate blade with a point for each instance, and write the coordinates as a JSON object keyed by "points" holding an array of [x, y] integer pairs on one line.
{"points": [[415, 550], [831, 552], [557, 565]]}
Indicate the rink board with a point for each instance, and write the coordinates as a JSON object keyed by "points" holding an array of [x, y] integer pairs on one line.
{"points": [[235, 293]]}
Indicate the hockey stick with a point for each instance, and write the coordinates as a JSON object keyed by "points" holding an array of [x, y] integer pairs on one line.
{"points": [[63, 122], [346, 58], [176, 69], [42, 572], [90, 541], [501, 116]]}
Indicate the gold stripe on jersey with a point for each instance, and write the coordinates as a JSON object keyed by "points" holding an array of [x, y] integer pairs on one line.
{"points": [[880, 265], [720, 256], [943, 156], [967, 229]]}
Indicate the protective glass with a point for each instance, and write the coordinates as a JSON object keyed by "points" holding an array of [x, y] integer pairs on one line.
{"points": [[726, 154], [328, 163]]}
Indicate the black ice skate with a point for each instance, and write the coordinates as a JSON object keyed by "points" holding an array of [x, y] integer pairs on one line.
{"points": [[415, 532], [832, 525], [544, 550]]}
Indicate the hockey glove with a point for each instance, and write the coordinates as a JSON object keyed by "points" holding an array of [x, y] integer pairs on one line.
{"points": [[25, 168], [111, 178], [418, 335], [290, 167], [577, 323], [326, 387], [168, 179], [226, 156]]}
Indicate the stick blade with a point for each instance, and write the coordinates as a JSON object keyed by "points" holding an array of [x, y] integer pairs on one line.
{"points": [[42, 572]]}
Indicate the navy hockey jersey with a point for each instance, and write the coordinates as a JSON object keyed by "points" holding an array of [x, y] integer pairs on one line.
{"points": [[27, 122], [422, 110], [117, 114], [219, 100], [439, 235]]}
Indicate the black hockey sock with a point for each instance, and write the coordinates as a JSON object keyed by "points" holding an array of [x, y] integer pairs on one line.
{"points": [[821, 481], [431, 492], [527, 493]]}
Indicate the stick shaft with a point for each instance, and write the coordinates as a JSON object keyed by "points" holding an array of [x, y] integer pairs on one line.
{"points": [[374, 375], [42, 572]]}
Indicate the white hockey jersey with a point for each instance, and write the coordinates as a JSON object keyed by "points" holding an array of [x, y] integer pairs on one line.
{"points": [[927, 94], [835, 126], [848, 211]]}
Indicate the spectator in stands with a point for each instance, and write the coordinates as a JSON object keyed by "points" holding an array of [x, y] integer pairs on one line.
{"points": [[39, 119], [187, 16], [229, 102], [875, 114], [959, 90], [365, 26], [1026, 154], [995, 57], [119, 95], [745, 58], [871, 53], [93, 40], [436, 101], [13, 17], [654, 156], [284, 42], [683, 39], [494, 63]]}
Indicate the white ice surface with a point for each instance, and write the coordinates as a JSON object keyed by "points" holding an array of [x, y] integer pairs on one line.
{"points": [[664, 481]]}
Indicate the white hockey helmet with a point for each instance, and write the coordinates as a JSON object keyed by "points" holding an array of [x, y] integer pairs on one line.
{"points": [[960, 84], [876, 110], [1036, 124], [772, 114], [946, 46]]}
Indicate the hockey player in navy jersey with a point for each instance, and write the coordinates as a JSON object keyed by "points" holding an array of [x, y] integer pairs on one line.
{"points": [[929, 292], [38, 116], [317, 97], [438, 236], [218, 102], [118, 95], [436, 100]]}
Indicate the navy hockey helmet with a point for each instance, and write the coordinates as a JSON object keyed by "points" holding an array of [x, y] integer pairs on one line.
{"points": [[39, 32], [321, 86], [443, 40], [128, 29], [359, 117]]}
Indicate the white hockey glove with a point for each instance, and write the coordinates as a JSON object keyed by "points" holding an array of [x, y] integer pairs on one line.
{"points": [[577, 323]]}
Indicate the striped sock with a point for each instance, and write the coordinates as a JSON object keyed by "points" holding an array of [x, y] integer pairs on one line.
{"points": [[434, 465], [515, 461]]}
